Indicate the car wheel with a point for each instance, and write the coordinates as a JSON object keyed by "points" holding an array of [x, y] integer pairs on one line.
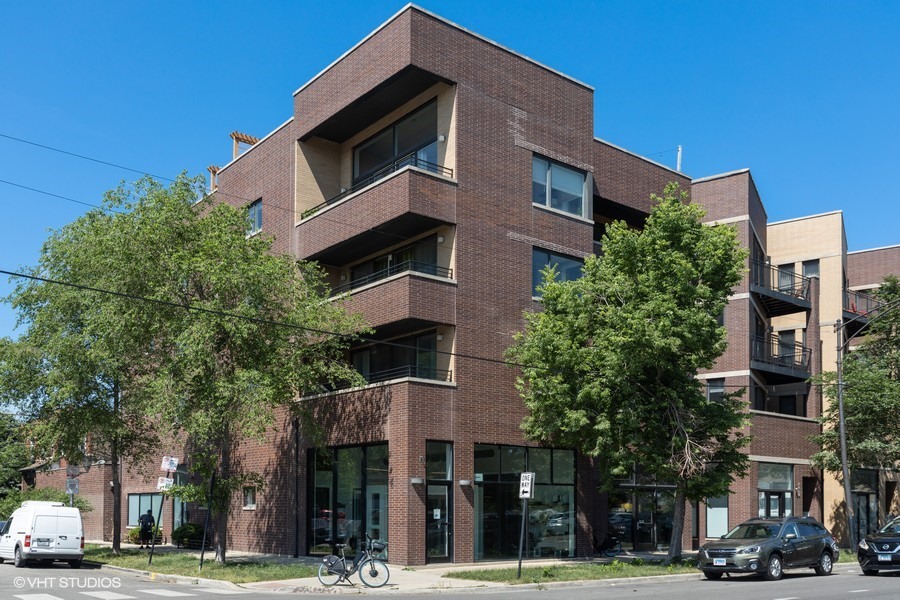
{"points": [[825, 564], [870, 572], [18, 559], [712, 575], [773, 568]]}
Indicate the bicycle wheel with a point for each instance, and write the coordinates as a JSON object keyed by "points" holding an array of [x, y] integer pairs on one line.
{"points": [[327, 577], [613, 550], [374, 573]]}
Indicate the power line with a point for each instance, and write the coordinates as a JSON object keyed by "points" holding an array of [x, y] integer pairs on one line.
{"points": [[46, 193], [257, 320], [161, 177]]}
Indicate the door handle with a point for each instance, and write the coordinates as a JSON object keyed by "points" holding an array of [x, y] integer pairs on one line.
{"points": [[62, 537]]}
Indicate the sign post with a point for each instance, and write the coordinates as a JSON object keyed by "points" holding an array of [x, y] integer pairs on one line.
{"points": [[169, 464], [72, 472], [526, 492]]}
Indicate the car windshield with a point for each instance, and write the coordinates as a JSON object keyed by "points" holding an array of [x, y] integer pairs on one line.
{"points": [[751, 531], [892, 526]]}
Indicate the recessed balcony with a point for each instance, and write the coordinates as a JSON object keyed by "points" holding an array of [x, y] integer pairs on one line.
{"points": [[398, 205], [783, 360], [859, 307], [403, 300], [780, 291]]}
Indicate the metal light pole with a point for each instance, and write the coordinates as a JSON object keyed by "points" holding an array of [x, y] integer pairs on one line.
{"points": [[842, 345]]}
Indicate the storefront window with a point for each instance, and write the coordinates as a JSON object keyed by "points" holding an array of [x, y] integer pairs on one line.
{"points": [[776, 490], [551, 520], [349, 496]]}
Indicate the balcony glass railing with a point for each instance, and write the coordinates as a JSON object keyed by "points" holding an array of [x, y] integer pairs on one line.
{"points": [[780, 353], [860, 303], [409, 160], [394, 269], [771, 277]]}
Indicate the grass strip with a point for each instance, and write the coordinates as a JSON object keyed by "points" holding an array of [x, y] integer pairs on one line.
{"points": [[170, 563], [585, 571]]}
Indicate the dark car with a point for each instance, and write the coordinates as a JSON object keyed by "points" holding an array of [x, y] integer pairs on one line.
{"points": [[880, 551], [768, 546]]}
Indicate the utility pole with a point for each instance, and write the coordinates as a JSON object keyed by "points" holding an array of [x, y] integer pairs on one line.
{"points": [[842, 345]]}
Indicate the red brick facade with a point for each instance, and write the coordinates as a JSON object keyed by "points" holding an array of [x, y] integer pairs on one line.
{"points": [[496, 111]]}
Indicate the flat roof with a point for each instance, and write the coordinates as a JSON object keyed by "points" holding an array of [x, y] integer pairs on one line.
{"points": [[875, 249], [644, 158], [824, 214], [250, 149], [720, 175], [412, 6]]}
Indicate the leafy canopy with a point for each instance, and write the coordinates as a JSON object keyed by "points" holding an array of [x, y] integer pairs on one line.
{"points": [[871, 377], [611, 362]]}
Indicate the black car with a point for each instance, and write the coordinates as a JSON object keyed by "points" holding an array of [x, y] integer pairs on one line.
{"points": [[880, 551], [768, 546]]}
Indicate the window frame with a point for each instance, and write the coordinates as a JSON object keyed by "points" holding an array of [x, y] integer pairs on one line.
{"points": [[356, 176], [549, 164], [252, 492], [550, 255], [254, 217]]}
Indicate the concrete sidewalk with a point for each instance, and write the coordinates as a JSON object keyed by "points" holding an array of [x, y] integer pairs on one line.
{"points": [[419, 580]]}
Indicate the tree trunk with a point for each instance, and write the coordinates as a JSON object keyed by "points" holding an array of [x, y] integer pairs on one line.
{"points": [[222, 514], [675, 548], [116, 482]]}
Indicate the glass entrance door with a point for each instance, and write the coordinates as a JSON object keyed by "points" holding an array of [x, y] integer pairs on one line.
{"points": [[773, 505], [438, 522]]}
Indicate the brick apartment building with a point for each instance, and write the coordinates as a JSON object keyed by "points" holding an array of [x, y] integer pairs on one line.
{"points": [[433, 173]]}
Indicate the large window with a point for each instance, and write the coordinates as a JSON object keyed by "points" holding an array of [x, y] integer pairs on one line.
{"points": [[138, 504], [551, 513], [413, 356], [776, 490], [716, 516], [349, 496], [413, 138], [558, 187], [568, 267], [420, 257], [715, 389]]}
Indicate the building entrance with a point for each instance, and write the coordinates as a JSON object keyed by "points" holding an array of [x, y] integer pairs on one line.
{"points": [[438, 524]]}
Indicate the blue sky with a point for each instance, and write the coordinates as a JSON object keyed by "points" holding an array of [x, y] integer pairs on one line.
{"points": [[806, 94]]}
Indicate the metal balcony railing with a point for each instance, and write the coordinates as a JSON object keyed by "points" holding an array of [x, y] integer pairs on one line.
{"points": [[409, 160], [394, 269], [409, 371], [771, 277], [774, 351], [860, 303]]}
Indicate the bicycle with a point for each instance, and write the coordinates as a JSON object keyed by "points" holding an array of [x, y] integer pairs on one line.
{"points": [[372, 571]]}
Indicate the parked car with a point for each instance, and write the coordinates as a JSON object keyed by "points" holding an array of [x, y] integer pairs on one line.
{"points": [[880, 551], [768, 546], [44, 531]]}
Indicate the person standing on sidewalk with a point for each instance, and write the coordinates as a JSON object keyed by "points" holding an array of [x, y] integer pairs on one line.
{"points": [[146, 522]]}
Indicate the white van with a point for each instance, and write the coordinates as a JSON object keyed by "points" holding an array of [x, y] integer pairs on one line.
{"points": [[44, 531]]}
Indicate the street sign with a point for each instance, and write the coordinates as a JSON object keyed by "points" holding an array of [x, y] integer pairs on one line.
{"points": [[72, 470], [164, 483], [71, 486], [526, 486], [169, 463]]}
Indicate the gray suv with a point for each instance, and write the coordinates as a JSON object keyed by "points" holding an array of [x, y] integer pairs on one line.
{"points": [[768, 546]]}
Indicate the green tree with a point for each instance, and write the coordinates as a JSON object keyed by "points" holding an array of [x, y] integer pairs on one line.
{"points": [[871, 378], [73, 370], [609, 366], [244, 334], [14, 500], [171, 322], [12, 455]]}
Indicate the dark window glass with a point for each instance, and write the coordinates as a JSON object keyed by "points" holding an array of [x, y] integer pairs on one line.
{"points": [[254, 217], [811, 268], [375, 153], [512, 463], [414, 135], [487, 462], [715, 389], [568, 268], [417, 130], [539, 460]]}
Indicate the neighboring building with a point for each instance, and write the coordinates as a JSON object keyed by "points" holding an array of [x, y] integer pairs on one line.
{"points": [[433, 173]]}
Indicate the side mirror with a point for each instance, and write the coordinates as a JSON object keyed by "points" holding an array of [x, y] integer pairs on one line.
{"points": [[790, 536]]}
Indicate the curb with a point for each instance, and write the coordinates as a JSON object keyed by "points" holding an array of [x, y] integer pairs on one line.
{"points": [[168, 578]]}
